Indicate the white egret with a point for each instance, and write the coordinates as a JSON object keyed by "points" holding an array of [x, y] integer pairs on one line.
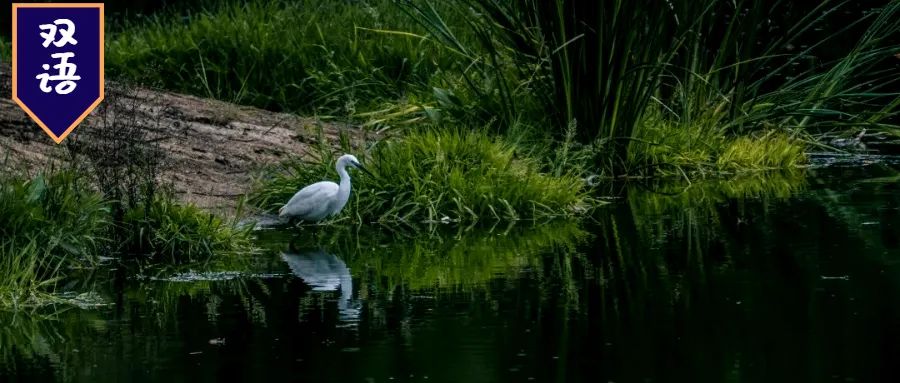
{"points": [[322, 199]]}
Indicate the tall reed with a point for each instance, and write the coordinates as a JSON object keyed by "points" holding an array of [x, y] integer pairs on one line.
{"points": [[722, 66]]}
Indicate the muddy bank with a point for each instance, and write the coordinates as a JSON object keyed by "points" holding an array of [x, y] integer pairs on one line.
{"points": [[212, 149]]}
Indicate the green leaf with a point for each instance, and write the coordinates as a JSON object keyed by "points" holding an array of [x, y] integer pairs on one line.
{"points": [[446, 98], [37, 189]]}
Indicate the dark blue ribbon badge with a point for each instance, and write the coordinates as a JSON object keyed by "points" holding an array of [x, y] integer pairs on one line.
{"points": [[57, 63]]}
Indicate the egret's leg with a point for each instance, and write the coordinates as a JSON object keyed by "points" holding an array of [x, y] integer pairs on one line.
{"points": [[297, 223]]}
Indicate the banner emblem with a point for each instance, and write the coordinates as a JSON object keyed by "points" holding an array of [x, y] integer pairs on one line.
{"points": [[57, 63]]}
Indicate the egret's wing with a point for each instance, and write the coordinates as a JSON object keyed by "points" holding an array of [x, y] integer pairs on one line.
{"points": [[312, 200], [320, 270]]}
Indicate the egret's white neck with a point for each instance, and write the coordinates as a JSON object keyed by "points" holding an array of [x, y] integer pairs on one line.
{"points": [[341, 168], [344, 187]]}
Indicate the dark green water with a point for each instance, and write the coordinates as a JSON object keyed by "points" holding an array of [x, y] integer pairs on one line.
{"points": [[762, 279]]}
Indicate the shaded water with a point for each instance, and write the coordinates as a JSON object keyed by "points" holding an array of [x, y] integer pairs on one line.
{"points": [[761, 279]]}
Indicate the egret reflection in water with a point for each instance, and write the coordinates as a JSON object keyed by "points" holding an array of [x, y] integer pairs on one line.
{"points": [[324, 272]]}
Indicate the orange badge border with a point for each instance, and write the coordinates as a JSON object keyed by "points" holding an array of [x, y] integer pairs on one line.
{"points": [[15, 94]]}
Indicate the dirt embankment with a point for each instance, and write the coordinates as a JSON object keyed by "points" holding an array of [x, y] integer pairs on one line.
{"points": [[212, 149]]}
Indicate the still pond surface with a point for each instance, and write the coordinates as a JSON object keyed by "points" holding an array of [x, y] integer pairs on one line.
{"points": [[790, 278]]}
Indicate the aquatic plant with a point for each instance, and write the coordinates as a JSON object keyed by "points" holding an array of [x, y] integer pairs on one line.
{"points": [[49, 223], [54, 223], [57, 210], [181, 233], [769, 152], [28, 273]]}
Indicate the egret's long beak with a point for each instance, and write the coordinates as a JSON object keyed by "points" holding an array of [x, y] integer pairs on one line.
{"points": [[360, 167]]}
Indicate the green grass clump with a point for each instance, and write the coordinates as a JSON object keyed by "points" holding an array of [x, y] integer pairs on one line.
{"points": [[662, 146], [702, 146], [48, 224], [306, 56], [771, 151], [177, 233], [466, 176], [53, 223], [28, 272], [68, 219], [57, 210]]}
